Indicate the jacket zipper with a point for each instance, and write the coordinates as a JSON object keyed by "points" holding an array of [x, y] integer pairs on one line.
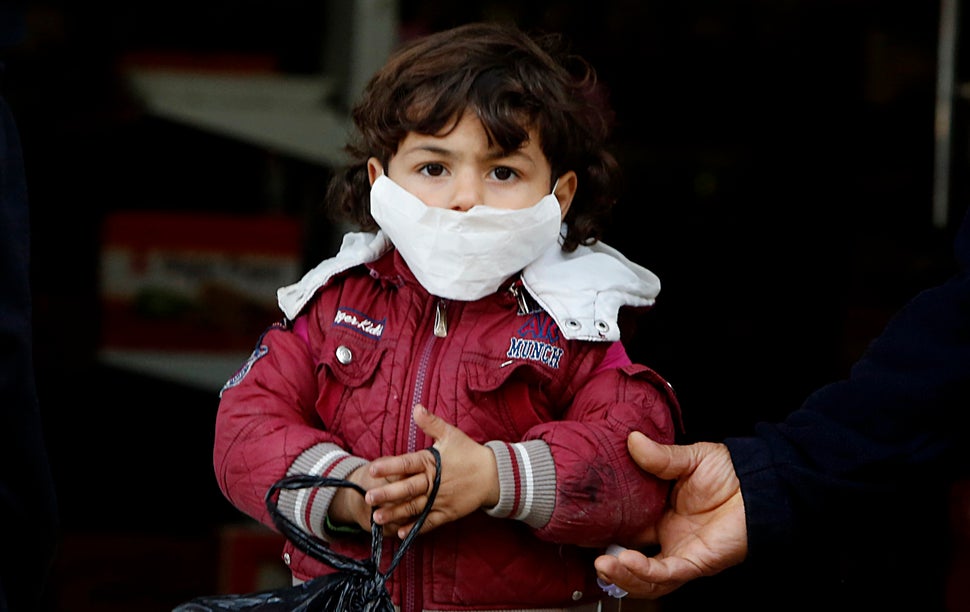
{"points": [[441, 319], [413, 602]]}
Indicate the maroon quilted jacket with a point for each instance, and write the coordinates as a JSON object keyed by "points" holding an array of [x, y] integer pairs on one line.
{"points": [[335, 388]]}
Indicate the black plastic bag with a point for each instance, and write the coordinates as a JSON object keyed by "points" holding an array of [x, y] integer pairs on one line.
{"points": [[358, 585]]}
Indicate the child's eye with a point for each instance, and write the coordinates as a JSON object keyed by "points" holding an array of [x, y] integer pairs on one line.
{"points": [[504, 173], [432, 169]]}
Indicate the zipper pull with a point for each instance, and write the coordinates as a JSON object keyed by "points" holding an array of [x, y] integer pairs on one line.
{"points": [[520, 299], [440, 319]]}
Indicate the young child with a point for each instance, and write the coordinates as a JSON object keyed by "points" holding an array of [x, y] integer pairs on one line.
{"points": [[475, 310]]}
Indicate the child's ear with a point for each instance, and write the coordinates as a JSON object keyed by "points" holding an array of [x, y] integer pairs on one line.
{"points": [[374, 169], [565, 190]]}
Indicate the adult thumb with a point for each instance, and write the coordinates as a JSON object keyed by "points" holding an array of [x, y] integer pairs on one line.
{"points": [[666, 461]]}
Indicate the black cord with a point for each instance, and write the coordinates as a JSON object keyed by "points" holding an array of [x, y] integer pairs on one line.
{"points": [[320, 549]]}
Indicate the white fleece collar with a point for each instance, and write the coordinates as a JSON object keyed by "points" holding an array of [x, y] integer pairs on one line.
{"points": [[583, 290], [357, 248]]}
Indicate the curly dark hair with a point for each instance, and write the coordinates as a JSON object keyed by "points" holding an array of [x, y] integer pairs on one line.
{"points": [[513, 82]]}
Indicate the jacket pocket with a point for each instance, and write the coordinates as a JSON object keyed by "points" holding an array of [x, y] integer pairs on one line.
{"points": [[349, 359], [352, 399], [518, 395]]}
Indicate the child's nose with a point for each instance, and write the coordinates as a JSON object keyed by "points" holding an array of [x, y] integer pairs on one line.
{"points": [[467, 193]]}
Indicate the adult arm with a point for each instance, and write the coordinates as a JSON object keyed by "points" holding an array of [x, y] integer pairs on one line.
{"points": [[28, 514], [856, 452], [865, 441]]}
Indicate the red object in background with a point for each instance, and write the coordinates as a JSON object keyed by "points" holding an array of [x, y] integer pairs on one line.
{"points": [[193, 281], [957, 585], [249, 560]]}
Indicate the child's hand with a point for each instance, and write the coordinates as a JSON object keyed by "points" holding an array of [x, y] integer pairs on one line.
{"points": [[469, 478], [348, 506]]}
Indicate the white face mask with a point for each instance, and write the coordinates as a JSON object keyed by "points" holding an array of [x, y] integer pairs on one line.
{"points": [[463, 255]]}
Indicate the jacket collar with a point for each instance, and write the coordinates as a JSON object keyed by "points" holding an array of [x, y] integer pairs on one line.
{"points": [[357, 248], [582, 291]]}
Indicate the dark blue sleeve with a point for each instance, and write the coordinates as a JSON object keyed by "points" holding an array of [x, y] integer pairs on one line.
{"points": [[28, 519], [875, 442], [13, 28]]}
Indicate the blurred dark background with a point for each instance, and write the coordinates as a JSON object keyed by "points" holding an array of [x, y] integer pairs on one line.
{"points": [[779, 179]]}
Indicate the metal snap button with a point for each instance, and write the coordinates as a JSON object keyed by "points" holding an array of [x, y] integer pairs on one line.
{"points": [[577, 595], [344, 355]]}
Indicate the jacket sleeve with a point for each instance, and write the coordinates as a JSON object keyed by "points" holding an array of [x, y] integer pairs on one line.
{"points": [[863, 444], [267, 427], [595, 494], [28, 501]]}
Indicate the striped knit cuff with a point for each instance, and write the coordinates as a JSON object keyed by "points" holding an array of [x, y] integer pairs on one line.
{"points": [[527, 482], [308, 507]]}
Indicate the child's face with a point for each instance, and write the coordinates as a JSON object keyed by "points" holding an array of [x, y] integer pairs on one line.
{"points": [[459, 170]]}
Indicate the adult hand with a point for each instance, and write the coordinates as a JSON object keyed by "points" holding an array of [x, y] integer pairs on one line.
{"points": [[702, 531], [469, 478]]}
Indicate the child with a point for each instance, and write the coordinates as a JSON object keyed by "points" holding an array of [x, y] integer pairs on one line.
{"points": [[475, 310]]}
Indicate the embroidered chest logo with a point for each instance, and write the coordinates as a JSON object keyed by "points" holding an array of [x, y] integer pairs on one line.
{"points": [[359, 322], [537, 341]]}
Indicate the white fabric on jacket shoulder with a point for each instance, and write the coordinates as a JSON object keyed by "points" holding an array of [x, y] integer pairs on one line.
{"points": [[356, 248], [584, 290]]}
